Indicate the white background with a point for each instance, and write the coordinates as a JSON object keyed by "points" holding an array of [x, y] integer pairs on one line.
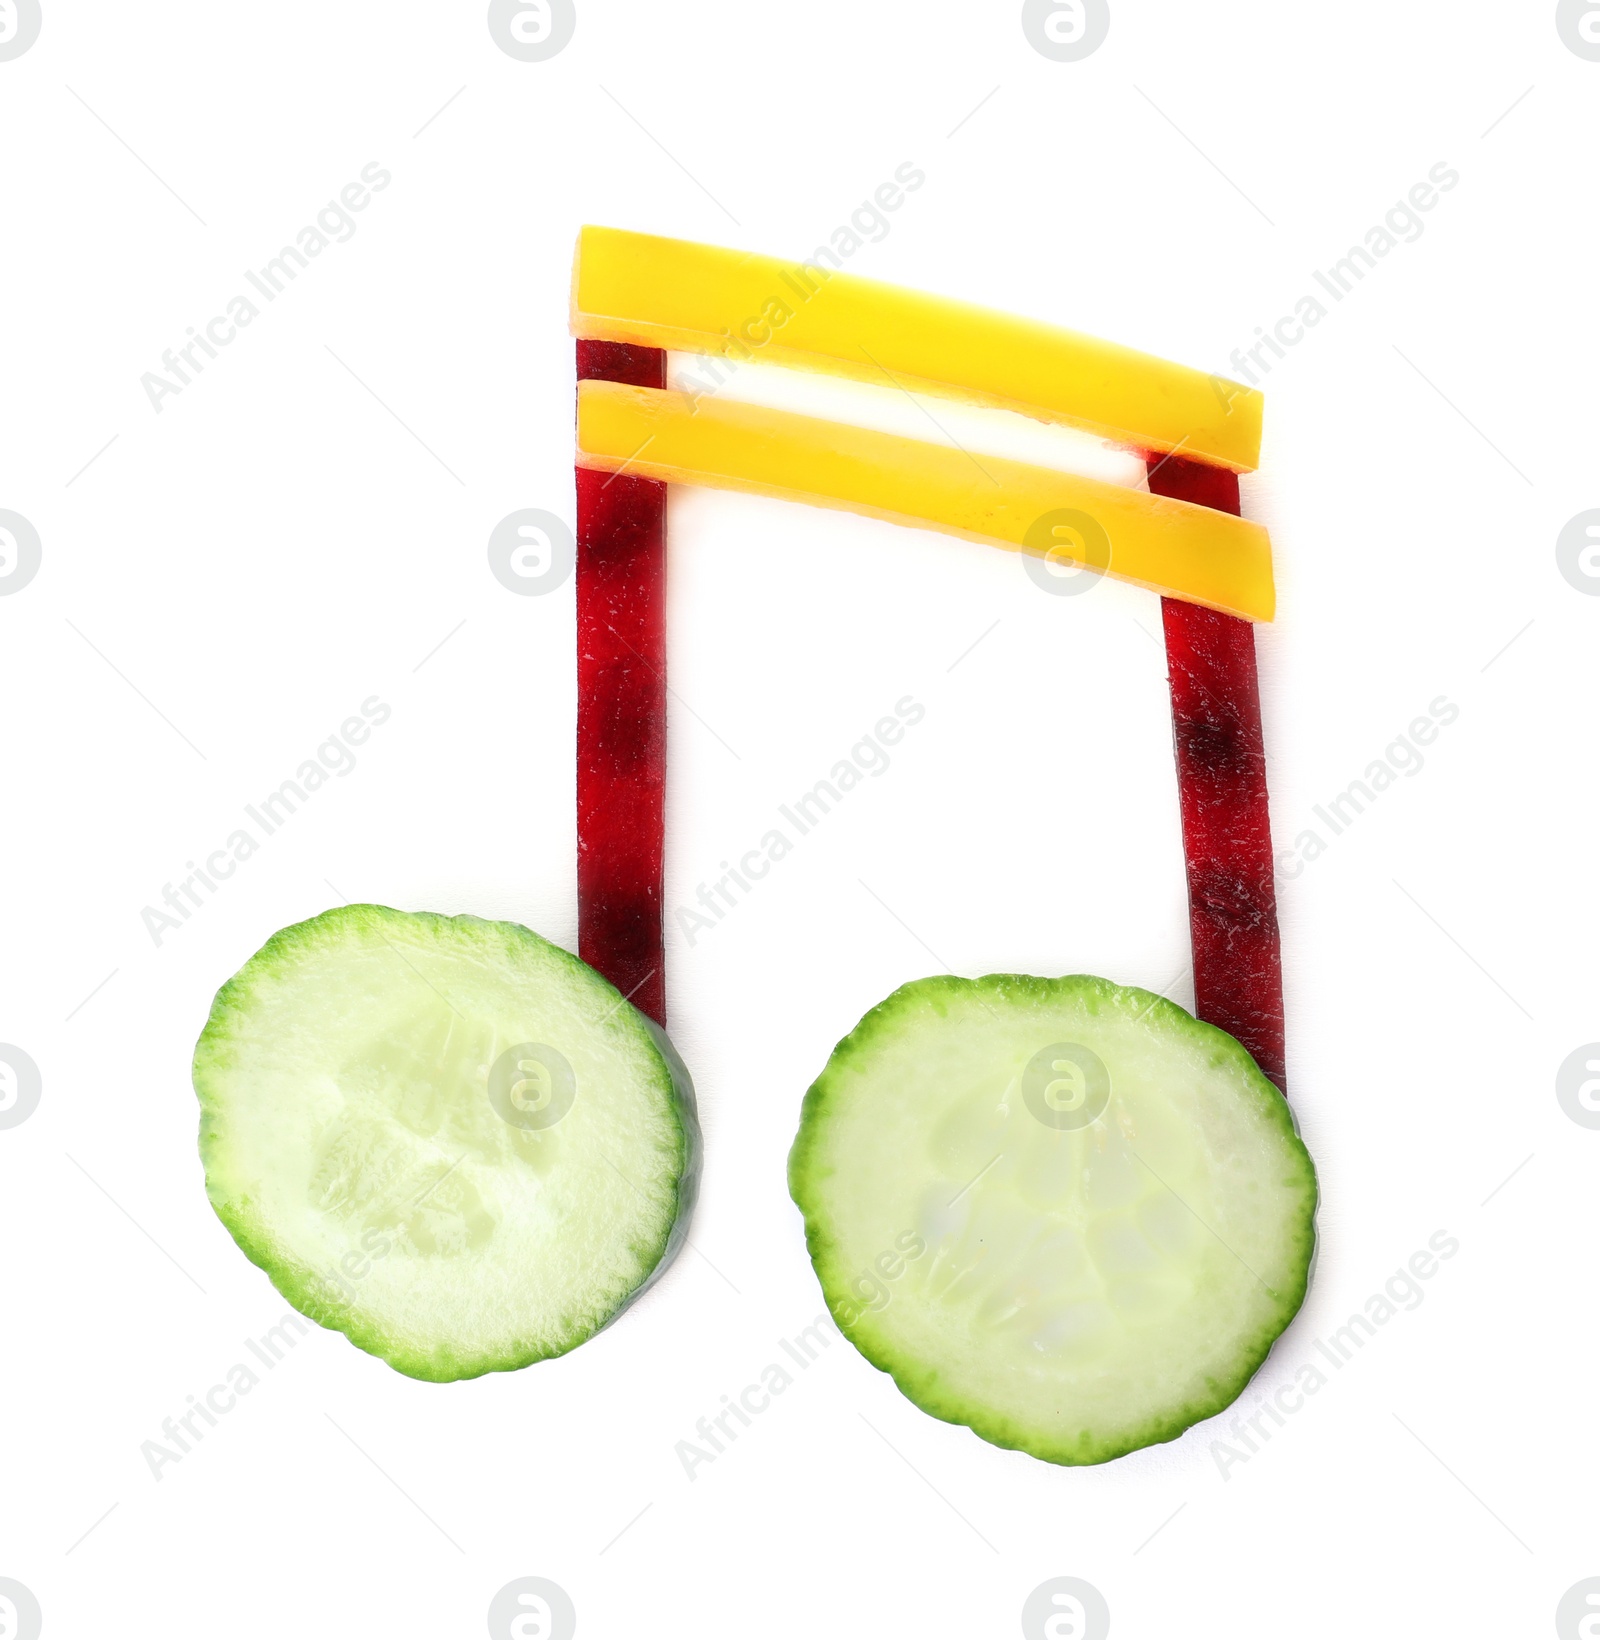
{"points": [[230, 578]]}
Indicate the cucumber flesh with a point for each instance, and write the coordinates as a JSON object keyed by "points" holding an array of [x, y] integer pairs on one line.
{"points": [[446, 1138], [1062, 1212]]}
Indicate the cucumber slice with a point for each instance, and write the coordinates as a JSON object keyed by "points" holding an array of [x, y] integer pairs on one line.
{"points": [[445, 1138], [1062, 1212]]}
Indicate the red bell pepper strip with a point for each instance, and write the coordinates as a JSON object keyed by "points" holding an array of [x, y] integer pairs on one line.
{"points": [[1222, 789], [622, 706]]}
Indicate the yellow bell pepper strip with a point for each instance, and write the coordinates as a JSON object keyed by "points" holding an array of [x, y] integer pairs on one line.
{"points": [[1173, 547], [670, 293]]}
